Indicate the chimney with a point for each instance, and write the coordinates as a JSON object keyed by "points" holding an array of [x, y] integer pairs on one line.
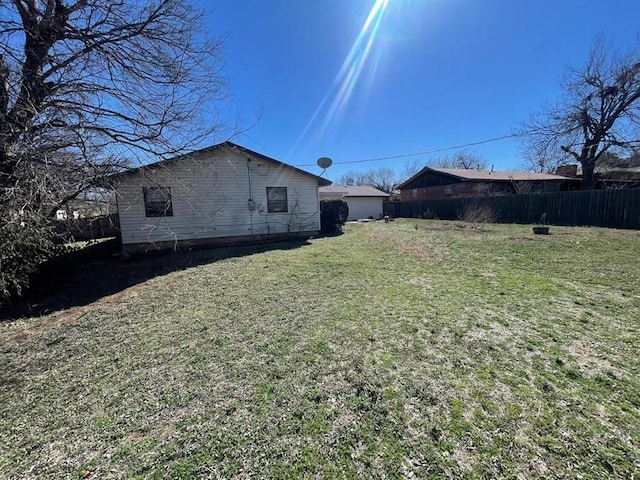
{"points": [[567, 170]]}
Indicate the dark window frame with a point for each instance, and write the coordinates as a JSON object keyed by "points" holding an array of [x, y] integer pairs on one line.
{"points": [[277, 205], [157, 208]]}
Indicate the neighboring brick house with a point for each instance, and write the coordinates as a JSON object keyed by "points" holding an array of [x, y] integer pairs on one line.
{"points": [[433, 183], [608, 175], [617, 177]]}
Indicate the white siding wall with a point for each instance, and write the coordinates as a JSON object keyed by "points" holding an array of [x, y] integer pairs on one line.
{"points": [[210, 196], [364, 207]]}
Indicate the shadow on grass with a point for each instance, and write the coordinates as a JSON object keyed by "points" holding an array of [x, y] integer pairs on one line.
{"points": [[329, 234], [92, 273]]}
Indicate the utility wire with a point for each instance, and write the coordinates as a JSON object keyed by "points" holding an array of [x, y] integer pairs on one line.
{"points": [[426, 152]]}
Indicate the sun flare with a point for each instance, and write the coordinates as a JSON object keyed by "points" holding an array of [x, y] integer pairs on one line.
{"points": [[345, 81]]}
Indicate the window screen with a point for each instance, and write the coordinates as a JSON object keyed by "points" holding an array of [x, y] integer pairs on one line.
{"points": [[277, 199], [157, 202]]}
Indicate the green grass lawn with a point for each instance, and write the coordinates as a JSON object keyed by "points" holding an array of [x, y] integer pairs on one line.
{"points": [[417, 349]]}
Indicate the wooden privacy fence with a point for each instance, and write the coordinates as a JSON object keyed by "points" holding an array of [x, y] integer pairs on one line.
{"points": [[601, 208], [88, 228]]}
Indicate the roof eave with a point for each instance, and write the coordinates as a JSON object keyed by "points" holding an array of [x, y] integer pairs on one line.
{"points": [[368, 196], [424, 170], [323, 182]]}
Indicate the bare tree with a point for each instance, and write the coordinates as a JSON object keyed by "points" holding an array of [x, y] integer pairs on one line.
{"points": [[351, 178], [87, 86], [540, 162], [464, 159], [598, 113], [411, 167], [384, 179]]}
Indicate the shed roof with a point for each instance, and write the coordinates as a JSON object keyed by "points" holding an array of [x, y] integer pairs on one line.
{"points": [[225, 145], [486, 175], [354, 191]]}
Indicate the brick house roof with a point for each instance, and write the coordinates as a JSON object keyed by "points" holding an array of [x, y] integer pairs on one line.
{"points": [[486, 175]]}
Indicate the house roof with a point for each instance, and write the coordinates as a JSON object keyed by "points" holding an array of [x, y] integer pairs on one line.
{"points": [[353, 191], [225, 145], [486, 175]]}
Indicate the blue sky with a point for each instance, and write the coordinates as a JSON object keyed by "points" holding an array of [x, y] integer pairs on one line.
{"points": [[437, 73]]}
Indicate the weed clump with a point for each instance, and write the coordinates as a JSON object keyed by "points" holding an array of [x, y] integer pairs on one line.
{"points": [[476, 213]]}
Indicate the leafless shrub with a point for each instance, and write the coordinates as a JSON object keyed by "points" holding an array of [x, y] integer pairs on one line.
{"points": [[429, 215], [477, 213]]}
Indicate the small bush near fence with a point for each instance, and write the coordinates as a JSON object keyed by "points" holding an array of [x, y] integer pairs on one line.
{"points": [[333, 215], [476, 213], [429, 215], [25, 247], [51, 265], [33, 252]]}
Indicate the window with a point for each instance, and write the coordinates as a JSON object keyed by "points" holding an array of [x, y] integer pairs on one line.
{"points": [[277, 199], [448, 190], [414, 193], [157, 201]]}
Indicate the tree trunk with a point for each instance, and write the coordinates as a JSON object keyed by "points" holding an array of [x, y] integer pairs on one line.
{"points": [[589, 180]]}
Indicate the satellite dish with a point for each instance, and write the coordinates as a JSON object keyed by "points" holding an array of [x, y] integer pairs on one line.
{"points": [[324, 162]]}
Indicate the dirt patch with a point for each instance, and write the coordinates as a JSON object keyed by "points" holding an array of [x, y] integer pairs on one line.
{"points": [[458, 227], [417, 251], [591, 362], [72, 315], [394, 243]]}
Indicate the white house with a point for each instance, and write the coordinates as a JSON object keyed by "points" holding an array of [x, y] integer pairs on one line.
{"points": [[218, 195], [364, 202]]}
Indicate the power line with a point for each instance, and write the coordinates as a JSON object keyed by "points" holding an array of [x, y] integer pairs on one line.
{"points": [[426, 152]]}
